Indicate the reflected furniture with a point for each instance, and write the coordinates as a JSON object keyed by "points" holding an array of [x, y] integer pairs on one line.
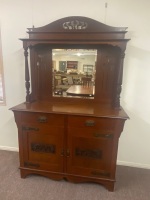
{"points": [[71, 138], [87, 81], [81, 90], [64, 81]]}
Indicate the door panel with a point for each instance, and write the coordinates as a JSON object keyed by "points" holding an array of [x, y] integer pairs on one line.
{"points": [[42, 147], [89, 155]]}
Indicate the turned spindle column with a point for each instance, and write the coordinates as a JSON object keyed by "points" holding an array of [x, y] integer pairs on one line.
{"points": [[27, 76]]}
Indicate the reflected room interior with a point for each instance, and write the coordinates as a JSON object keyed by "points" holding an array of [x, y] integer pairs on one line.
{"points": [[74, 72]]}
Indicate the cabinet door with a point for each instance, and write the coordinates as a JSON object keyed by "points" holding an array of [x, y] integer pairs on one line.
{"points": [[42, 147], [90, 152]]}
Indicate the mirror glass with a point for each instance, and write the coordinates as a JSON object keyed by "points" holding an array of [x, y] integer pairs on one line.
{"points": [[74, 72]]}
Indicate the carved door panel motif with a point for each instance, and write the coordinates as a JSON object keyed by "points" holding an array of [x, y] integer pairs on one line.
{"points": [[42, 147], [90, 153]]}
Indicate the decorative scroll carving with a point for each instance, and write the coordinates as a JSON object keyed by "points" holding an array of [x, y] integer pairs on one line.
{"points": [[27, 77], [43, 148], [29, 164], [75, 24], [91, 153], [96, 173]]}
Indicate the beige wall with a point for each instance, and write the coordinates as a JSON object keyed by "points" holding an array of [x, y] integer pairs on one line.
{"points": [[1, 65], [18, 15]]}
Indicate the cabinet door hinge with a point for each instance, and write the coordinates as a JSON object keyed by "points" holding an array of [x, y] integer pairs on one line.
{"points": [[25, 128], [104, 173], [101, 135], [30, 164]]}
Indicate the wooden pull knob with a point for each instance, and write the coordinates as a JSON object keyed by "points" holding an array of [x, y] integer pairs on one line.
{"points": [[90, 123], [42, 119]]}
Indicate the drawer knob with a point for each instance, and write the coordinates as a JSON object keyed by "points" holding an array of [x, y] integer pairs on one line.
{"points": [[68, 153], [42, 119], [90, 123]]}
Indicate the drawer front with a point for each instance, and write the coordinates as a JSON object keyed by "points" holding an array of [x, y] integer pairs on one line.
{"points": [[106, 124], [92, 133], [43, 118], [43, 129]]}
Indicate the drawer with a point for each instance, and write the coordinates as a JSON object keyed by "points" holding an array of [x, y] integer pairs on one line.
{"points": [[91, 133], [43, 129], [43, 118], [92, 122]]}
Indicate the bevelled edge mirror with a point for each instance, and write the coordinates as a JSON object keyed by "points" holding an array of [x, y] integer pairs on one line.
{"points": [[73, 73]]}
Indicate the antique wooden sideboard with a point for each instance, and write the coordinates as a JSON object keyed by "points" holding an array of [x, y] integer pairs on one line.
{"points": [[72, 137]]}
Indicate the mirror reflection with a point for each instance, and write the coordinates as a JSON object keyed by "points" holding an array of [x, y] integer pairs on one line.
{"points": [[74, 72]]}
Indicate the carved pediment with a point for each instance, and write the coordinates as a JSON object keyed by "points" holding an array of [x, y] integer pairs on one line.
{"points": [[77, 23]]}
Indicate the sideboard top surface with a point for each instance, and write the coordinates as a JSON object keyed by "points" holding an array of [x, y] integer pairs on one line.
{"points": [[87, 109]]}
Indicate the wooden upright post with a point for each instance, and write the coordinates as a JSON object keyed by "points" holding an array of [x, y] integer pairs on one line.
{"points": [[27, 76]]}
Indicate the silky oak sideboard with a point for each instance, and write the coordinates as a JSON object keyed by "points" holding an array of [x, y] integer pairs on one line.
{"points": [[72, 137]]}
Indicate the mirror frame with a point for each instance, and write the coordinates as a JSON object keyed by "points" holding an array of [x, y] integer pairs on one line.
{"points": [[73, 32]]}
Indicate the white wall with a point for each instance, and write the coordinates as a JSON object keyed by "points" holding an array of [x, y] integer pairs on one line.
{"points": [[17, 15]]}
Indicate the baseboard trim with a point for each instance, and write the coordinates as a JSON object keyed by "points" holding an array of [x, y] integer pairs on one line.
{"points": [[131, 164], [6, 148]]}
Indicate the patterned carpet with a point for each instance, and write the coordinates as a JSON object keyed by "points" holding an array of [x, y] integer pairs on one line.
{"points": [[132, 184]]}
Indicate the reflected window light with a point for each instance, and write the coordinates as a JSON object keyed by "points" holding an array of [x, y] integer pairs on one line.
{"points": [[79, 54]]}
